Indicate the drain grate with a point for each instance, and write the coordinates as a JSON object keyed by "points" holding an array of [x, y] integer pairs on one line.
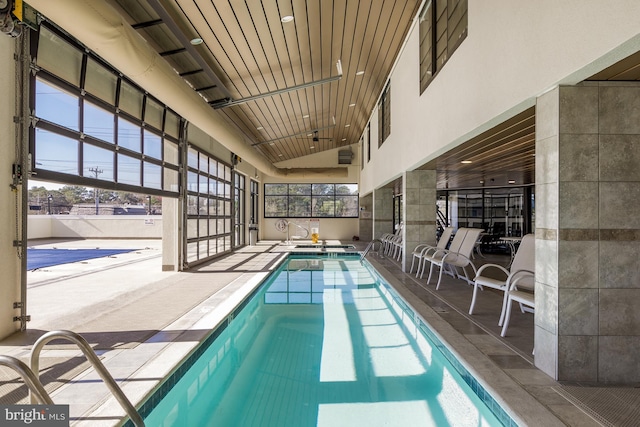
{"points": [[611, 406]]}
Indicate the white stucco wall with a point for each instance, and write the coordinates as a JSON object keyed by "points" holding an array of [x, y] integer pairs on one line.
{"points": [[10, 287], [95, 227], [514, 51]]}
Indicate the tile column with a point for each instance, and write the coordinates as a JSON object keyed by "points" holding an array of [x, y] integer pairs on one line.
{"points": [[382, 212], [365, 221], [588, 232], [419, 216]]}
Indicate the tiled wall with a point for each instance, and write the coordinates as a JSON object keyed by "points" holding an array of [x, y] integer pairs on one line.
{"points": [[587, 320], [366, 218], [382, 212], [419, 190]]}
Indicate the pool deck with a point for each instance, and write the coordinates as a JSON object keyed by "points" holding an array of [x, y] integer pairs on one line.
{"points": [[142, 322]]}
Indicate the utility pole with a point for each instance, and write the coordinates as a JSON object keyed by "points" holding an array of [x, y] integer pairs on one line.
{"points": [[96, 192]]}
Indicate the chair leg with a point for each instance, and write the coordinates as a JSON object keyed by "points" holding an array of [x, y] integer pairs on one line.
{"points": [[473, 298], [507, 317], [440, 277], [431, 271], [504, 307], [413, 260]]}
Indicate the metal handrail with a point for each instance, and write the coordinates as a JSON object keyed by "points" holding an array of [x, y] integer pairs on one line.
{"points": [[36, 389], [369, 247], [95, 362]]}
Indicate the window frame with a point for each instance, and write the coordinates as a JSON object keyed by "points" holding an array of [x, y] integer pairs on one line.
{"points": [[333, 197]]}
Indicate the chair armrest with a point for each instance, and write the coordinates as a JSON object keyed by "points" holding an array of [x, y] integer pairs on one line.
{"points": [[486, 266], [516, 276]]}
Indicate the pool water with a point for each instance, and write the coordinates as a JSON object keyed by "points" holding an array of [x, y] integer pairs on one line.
{"points": [[322, 343]]}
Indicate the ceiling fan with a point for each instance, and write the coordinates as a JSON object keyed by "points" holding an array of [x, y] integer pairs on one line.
{"points": [[314, 137]]}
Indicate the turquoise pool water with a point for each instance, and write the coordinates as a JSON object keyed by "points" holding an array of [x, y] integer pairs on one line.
{"points": [[323, 342]]}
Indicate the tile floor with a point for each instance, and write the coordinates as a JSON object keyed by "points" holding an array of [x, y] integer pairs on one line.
{"points": [[121, 305]]}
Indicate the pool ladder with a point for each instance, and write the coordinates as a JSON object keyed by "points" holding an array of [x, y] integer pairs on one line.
{"points": [[371, 246], [37, 393]]}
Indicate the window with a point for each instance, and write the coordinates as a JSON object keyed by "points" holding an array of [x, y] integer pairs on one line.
{"points": [[368, 142], [254, 202], [90, 126], [384, 115], [209, 206], [239, 210], [443, 26], [311, 200]]}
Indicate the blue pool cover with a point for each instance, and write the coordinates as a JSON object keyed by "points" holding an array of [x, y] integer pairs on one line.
{"points": [[39, 258]]}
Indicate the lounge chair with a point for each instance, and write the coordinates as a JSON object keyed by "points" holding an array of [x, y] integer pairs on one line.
{"points": [[523, 297], [423, 249], [456, 258], [523, 264]]}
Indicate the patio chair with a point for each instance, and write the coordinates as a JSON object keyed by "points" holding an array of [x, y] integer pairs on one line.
{"points": [[523, 264], [424, 249], [454, 259], [523, 297]]}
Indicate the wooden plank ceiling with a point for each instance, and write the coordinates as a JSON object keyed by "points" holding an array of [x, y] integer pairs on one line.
{"points": [[252, 51]]}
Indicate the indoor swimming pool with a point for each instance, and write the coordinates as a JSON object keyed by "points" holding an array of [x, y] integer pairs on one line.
{"points": [[324, 341]]}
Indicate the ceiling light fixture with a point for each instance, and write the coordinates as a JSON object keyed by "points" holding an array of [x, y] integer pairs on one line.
{"points": [[306, 116], [347, 126], [344, 139], [313, 146], [511, 181], [352, 105], [259, 128], [279, 155], [466, 162], [287, 18], [359, 73], [196, 41]]}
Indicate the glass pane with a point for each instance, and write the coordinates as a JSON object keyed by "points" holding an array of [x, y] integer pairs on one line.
{"points": [[323, 189], [56, 153], [227, 229], [128, 135], [203, 247], [203, 185], [227, 191], [351, 189], [101, 82], [171, 152], [192, 228], [212, 208], [59, 57], [323, 206], [213, 187], [130, 100], [98, 122], [56, 106], [346, 206], [300, 189], [220, 227], [275, 189], [212, 227], [192, 181], [171, 178], [153, 113], [192, 252], [220, 208], [300, 206], [152, 175], [152, 145], [192, 205], [203, 229], [97, 162], [204, 162], [220, 170], [213, 168], [128, 170], [227, 173], [275, 206], [212, 247], [193, 158], [172, 125]]}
